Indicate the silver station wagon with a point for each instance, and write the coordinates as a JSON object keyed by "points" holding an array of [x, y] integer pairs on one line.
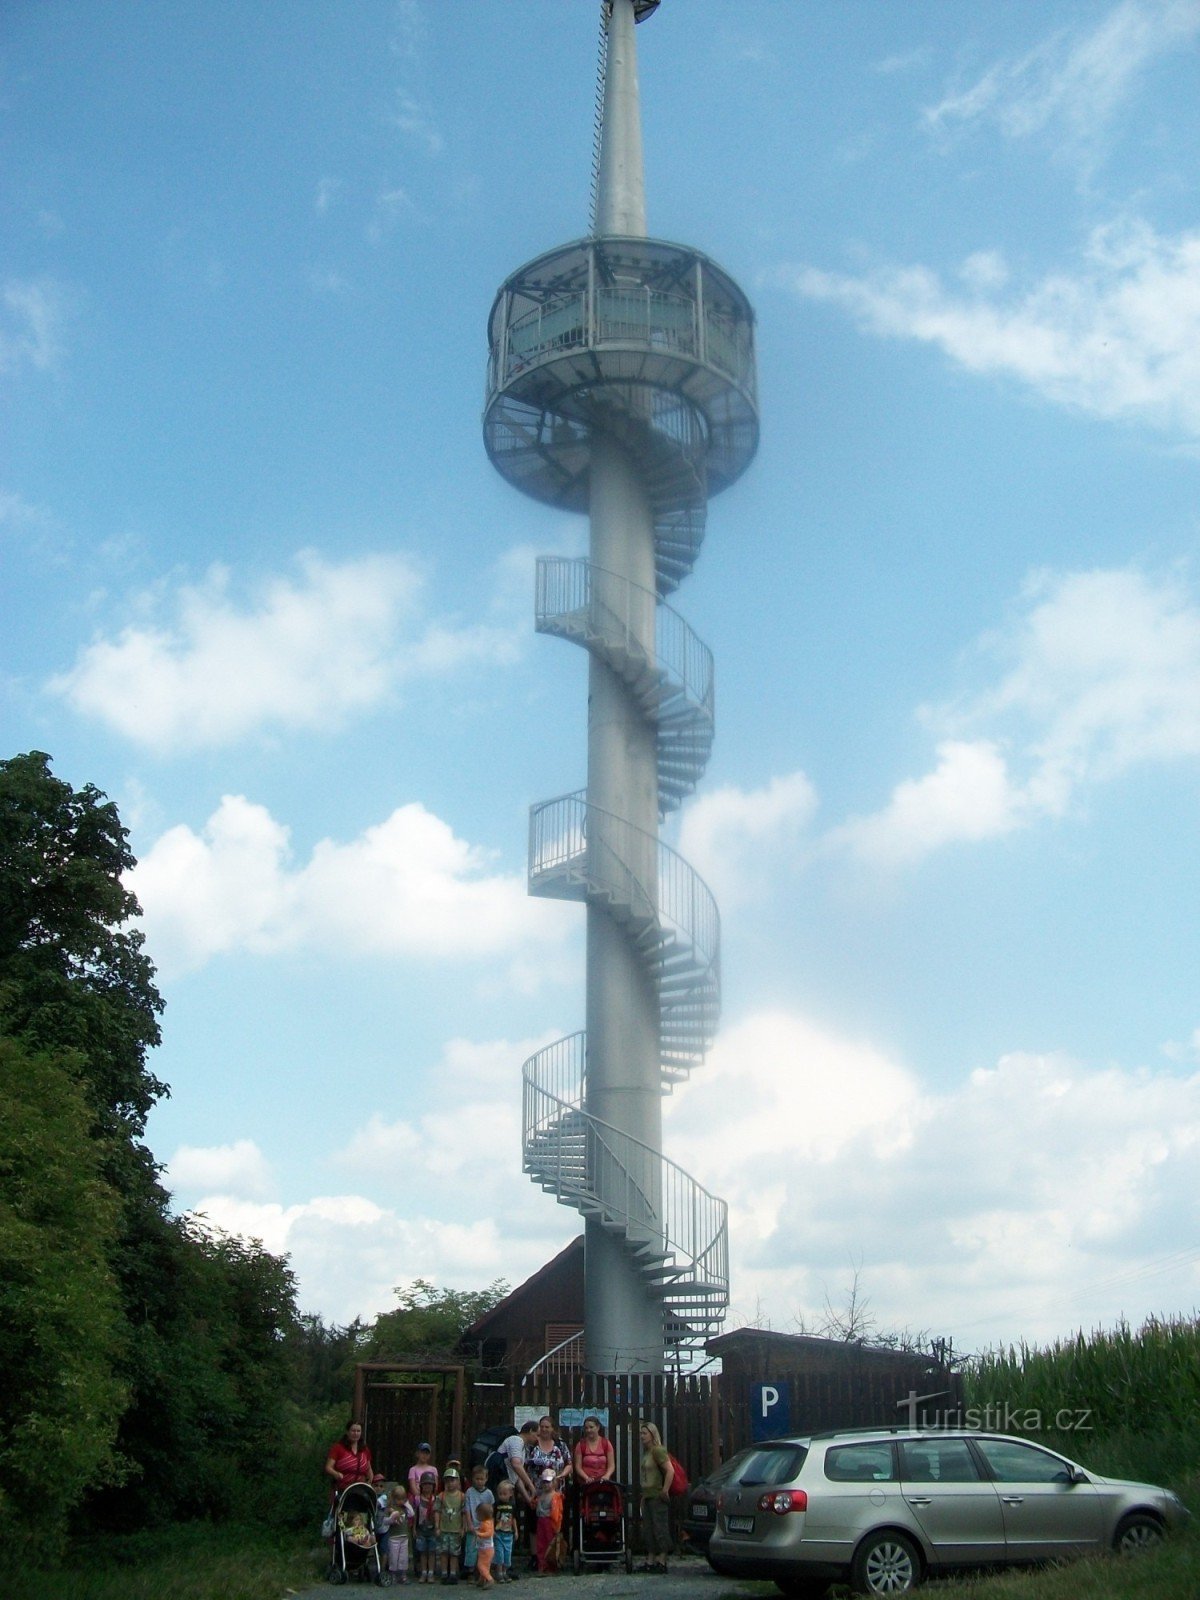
{"points": [[885, 1508]]}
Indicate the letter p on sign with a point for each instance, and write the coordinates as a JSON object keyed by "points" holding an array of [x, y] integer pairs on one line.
{"points": [[770, 1409]]}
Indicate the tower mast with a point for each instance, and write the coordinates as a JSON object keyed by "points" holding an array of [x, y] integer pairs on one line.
{"points": [[621, 382]]}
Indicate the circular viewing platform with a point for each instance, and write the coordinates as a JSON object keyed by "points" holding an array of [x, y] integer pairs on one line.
{"points": [[612, 328]]}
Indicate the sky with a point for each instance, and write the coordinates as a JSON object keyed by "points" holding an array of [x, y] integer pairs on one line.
{"points": [[263, 588]]}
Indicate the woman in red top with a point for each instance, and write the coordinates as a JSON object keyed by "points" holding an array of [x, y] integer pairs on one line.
{"points": [[593, 1460], [349, 1460]]}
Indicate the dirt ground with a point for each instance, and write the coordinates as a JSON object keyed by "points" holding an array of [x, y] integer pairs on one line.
{"points": [[689, 1575]]}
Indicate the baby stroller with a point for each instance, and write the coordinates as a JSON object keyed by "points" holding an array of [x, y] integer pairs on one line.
{"points": [[355, 1554], [600, 1527]]}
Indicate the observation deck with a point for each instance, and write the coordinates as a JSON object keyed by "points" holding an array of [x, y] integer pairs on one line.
{"points": [[659, 323]]}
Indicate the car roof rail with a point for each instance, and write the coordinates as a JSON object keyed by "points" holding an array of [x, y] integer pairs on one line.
{"points": [[890, 1429]]}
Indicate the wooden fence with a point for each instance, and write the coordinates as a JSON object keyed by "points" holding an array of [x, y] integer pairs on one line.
{"points": [[703, 1419]]}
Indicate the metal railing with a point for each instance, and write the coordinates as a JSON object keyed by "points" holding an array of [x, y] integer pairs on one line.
{"points": [[584, 314], [625, 617], [631, 1184], [608, 855]]}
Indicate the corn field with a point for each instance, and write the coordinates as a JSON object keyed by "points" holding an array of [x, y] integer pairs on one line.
{"points": [[1126, 1381]]}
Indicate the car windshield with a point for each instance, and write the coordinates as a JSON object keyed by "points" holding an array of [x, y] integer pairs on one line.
{"points": [[726, 1471], [773, 1463]]}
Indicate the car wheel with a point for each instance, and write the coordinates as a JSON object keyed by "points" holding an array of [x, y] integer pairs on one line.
{"points": [[885, 1563], [1137, 1533]]}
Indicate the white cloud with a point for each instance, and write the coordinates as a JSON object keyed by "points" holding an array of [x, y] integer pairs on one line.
{"points": [[736, 838], [32, 321], [1025, 1200], [327, 280], [327, 191], [406, 887], [968, 796], [415, 121], [1101, 674], [1189, 1050], [1118, 338], [1104, 675], [1074, 79], [390, 206], [1030, 1197], [439, 1195], [238, 1169], [202, 668]]}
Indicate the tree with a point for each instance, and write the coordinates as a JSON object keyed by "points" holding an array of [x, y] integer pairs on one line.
{"points": [[107, 1300], [61, 1327], [428, 1319], [210, 1369], [323, 1357], [73, 974]]}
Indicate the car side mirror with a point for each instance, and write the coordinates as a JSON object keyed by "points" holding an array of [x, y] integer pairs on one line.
{"points": [[1076, 1475]]}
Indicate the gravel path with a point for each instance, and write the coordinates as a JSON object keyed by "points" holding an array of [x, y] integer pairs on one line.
{"points": [[688, 1576]]}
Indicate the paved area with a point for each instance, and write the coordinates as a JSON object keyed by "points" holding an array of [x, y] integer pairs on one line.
{"points": [[688, 1576]]}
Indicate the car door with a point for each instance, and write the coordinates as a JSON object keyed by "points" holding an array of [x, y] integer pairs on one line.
{"points": [[956, 1505], [1047, 1514]]}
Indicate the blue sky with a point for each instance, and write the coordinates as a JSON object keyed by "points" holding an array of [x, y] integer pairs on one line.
{"points": [[263, 587]]}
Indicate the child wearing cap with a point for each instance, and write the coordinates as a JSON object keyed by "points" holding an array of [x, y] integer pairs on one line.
{"points": [[422, 1465], [549, 1517], [425, 1527], [449, 1507]]}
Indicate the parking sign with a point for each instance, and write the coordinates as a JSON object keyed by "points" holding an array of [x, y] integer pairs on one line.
{"points": [[770, 1409]]}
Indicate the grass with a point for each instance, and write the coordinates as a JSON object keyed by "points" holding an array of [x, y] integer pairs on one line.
{"points": [[196, 1562], [1171, 1573]]}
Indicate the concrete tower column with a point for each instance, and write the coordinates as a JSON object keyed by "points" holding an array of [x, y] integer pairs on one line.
{"points": [[623, 1318], [621, 383]]}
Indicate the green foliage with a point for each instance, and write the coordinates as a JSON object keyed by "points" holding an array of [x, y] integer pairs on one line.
{"points": [[300, 1491], [1139, 1381], [428, 1320], [209, 1367], [107, 1298], [323, 1357], [73, 975], [60, 1323]]}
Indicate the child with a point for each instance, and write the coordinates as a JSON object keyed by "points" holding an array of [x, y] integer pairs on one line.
{"points": [[549, 1517], [480, 1503], [505, 1531], [382, 1525], [450, 1507], [425, 1527], [422, 1465], [400, 1521]]}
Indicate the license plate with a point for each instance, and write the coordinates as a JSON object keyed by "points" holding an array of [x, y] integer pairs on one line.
{"points": [[700, 1513], [740, 1524]]}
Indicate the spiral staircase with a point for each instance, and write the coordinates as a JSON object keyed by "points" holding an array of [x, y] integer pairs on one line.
{"points": [[648, 345]]}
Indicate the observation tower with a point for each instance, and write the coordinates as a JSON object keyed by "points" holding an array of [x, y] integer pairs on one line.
{"points": [[621, 383]]}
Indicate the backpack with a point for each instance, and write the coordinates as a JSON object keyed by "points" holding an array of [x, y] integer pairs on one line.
{"points": [[496, 1463], [679, 1483]]}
